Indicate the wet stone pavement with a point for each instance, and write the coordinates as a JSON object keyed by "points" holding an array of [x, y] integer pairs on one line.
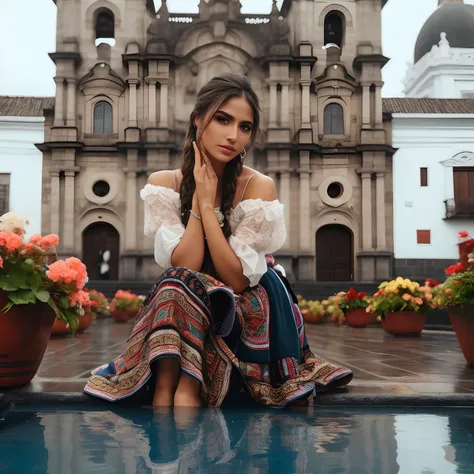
{"points": [[382, 364]]}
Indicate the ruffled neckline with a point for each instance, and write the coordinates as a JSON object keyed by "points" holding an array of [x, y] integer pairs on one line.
{"points": [[246, 205]]}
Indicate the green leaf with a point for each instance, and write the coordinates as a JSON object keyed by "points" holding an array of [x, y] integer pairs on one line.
{"points": [[22, 297], [43, 296]]}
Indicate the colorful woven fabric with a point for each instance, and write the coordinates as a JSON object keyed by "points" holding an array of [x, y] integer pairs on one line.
{"points": [[217, 335]]}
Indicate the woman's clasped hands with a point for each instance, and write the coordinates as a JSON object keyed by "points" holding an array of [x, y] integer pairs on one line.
{"points": [[206, 180]]}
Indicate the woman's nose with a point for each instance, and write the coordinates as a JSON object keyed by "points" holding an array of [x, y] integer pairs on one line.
{"points": [[232, 136]]}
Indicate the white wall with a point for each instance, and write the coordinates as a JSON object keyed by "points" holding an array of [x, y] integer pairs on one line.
{"points": [[20, 158], [443, 73], [426, 141]]}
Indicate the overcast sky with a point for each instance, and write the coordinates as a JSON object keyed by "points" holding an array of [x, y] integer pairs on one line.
{"points": [[27, 35]]}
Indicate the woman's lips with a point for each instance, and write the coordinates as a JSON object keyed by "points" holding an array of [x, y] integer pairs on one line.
{"points": [[226, 150]]}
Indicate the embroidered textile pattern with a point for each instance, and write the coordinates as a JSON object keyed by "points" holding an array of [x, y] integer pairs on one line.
{"points": [[175, 322]]}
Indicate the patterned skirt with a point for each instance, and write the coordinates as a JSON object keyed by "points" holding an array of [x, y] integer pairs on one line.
{"points": [[252, 342]]}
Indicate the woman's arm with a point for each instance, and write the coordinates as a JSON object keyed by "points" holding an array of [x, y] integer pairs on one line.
{"points": [[189, 252], [226, 262]]}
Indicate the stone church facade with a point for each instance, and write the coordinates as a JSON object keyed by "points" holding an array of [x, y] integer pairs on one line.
{"points": [[126, 81]]}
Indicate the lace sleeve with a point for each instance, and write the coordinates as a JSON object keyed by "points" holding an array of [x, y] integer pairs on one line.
{"points": [[260, 230], [162, 221]]}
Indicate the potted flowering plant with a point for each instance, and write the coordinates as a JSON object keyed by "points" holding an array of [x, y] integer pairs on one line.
{"points": [[99, 304], [401, 305], [61, 328], [354, 305], [333, 309], [457, 296], [32, 295], [125, 305], [312, 311]]}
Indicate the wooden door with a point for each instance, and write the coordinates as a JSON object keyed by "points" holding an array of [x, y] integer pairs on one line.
{"points": [[97, 238], [464, 190], [334, 254]]}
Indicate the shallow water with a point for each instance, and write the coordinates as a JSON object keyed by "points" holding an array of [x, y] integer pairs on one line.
{"points": [[66, 440]]}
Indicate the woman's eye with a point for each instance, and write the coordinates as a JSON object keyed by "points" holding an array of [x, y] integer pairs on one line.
{"points": [[246, 128], [223, 120]]}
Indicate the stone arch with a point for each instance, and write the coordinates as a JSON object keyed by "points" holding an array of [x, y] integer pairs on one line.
{"points": [[345, 111], [98, 239], [340, 217], [334, 244], [349, 23], [93, 9], [100, 214]]}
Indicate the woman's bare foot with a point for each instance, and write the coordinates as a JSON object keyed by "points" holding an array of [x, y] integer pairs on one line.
{"points": [[188, 392], [167, 376], [186, 400]]}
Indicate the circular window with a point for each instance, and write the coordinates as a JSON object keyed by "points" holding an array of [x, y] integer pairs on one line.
{"points": [[335, 190], [101, 188]]}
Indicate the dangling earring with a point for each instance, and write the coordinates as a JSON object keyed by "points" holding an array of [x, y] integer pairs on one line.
{"points": [[243, 154]]}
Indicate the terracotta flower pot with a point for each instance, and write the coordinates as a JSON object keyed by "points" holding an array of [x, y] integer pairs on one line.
{"points": [[85, 321], [404, 323], [24, 335], [59, 328], [359, 318], [462, 319], [311, 318], [121, 315]]}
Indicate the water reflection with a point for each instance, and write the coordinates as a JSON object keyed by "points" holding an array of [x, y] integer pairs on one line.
{"points": [[229, 441]]}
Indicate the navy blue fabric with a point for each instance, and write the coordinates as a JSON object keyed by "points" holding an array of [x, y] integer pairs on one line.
{"points": [[284, 340]]}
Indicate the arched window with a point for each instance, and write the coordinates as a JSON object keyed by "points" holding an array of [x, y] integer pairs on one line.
{"points": [[105, 27], [102, 117], [334, 29], [333, 120]]}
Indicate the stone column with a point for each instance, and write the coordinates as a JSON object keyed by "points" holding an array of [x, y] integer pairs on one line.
{"points": [[305, 104], [378, 106], [68, 219], [285, 105], [272, 165], [380, 195], [71, 103], [273, 112], [367, 212], [131, 211], [366, 106], [305, 201], [285, 189], [59, 102], [151, 103], [54, 204], [164, 104], [132, 104]]}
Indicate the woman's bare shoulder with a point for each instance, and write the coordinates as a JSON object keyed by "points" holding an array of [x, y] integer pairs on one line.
{"points": [[260, 186], [165, 178]]}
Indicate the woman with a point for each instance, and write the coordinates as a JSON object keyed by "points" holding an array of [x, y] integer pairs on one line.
{"points": [[209, 319]]}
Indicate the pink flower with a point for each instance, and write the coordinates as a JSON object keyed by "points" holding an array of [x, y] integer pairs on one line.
{"points": [[1, 262], [10, 241]]}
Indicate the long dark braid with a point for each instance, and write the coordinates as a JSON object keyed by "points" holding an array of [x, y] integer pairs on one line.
{"points": [[215, 93]]}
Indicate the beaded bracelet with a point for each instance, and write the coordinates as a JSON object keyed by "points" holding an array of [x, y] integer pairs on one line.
{"points": [[194, 214]]}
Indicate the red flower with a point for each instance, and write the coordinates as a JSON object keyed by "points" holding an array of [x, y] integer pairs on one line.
{"points": [[431, 283], [361, 295], [351, 295], [463, 234], [456, 268]]}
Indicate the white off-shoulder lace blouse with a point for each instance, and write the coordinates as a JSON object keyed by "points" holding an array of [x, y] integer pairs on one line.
{"points": [[258, 228]]}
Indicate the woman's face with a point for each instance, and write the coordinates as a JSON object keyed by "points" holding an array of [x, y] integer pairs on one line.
{"points": [[229, 130]]}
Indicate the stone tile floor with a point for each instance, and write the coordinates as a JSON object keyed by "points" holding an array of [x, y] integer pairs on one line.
{"points": [[382, 364]]}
